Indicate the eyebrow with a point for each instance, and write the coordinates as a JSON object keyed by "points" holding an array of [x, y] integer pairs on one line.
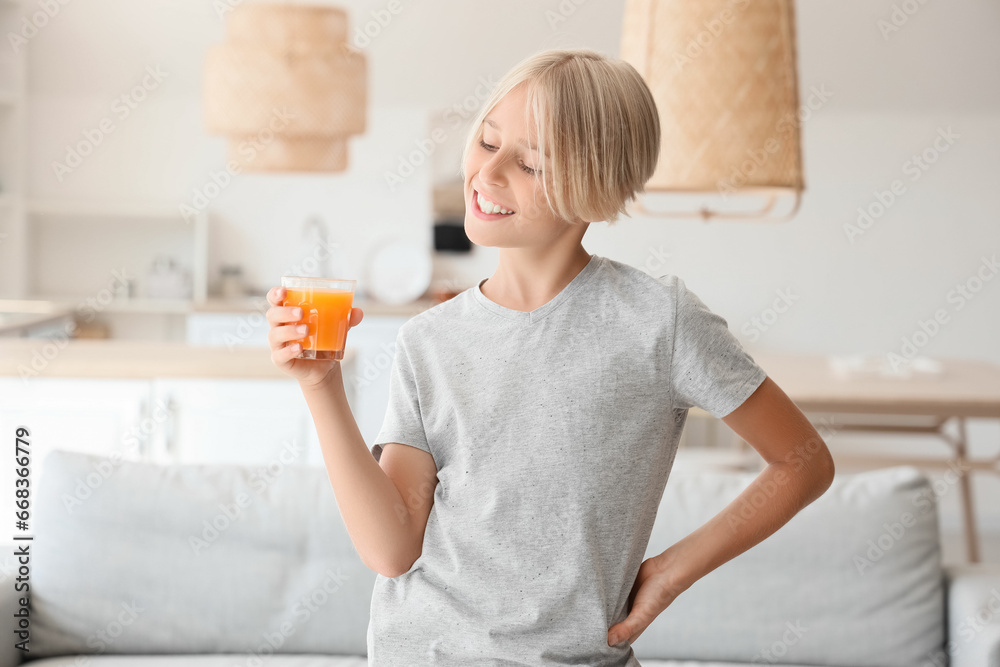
{"points": [[520, 141]]}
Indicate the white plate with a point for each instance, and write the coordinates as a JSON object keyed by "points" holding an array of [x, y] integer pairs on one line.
{"points": [[399, 272]]}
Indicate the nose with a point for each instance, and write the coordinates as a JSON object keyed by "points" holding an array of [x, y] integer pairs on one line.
{"points": [[491, 172]]}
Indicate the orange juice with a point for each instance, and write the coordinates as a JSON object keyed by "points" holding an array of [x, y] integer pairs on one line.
{"points": [[328, 313]]}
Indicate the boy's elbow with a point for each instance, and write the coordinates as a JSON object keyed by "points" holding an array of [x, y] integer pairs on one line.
{"points": [[392, 573], [386, 569], [825, 471], [828, 479], [390, 567]]}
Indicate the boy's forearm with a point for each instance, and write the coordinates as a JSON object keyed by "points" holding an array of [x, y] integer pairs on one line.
{"points": [[372, 508], [769, 502]]}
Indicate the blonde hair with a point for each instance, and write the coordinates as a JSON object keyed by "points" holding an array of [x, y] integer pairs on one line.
{"points": [[598, 120]]}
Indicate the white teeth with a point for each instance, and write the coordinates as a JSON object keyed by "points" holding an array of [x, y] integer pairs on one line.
{"points": [[486, 206]]}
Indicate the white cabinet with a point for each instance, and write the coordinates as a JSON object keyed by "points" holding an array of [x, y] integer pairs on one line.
{"points": [[96, 416], [90, 415], [234, 421]]}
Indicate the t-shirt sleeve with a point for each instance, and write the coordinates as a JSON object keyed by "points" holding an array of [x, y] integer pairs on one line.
{"points": [[709, 367], [403, 422]]}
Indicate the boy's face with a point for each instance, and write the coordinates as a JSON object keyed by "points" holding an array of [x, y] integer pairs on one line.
{"points": [[500, 172]]}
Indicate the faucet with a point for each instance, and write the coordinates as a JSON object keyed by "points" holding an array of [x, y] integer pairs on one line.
{"points": [[316, 238]]}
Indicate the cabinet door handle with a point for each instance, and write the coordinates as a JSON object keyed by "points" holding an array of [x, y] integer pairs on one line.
{"points": [[144, 414], [170, 429]]}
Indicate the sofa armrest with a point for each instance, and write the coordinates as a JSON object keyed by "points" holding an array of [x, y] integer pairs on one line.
{"points": [[10, 655], [973, 609]]}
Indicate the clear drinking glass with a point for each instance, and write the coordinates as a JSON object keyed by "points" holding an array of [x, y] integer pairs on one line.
{"points": [[326, 307]]}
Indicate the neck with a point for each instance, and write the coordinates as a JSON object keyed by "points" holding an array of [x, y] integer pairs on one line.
{"points": [[528, 278]]}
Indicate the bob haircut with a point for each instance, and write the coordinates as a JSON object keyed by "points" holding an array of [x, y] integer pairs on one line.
{"points": [[598, 120]]}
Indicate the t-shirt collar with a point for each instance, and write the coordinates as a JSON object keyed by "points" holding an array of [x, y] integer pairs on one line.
{"points": [[543, 310]]}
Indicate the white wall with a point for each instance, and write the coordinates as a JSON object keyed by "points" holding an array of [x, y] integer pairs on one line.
{"points": [[891, 93]]}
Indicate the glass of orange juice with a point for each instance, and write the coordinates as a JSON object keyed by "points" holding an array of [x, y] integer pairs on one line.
{"points": [[326, 308]]}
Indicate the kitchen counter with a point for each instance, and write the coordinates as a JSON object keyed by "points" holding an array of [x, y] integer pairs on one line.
{"points": [[98, 358]]}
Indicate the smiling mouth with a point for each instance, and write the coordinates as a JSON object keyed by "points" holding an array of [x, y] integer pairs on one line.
{"points": [[476, 196]]}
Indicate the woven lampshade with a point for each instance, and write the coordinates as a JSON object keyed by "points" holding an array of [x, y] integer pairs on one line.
{"points": [[724, 78], [285, 88]]}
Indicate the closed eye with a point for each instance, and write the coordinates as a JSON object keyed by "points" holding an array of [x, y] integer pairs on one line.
{"points": [[528, 170]]}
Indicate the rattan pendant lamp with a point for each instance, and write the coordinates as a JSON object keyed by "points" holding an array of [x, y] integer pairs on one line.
{"points": [[285, 88], [723, 74]]}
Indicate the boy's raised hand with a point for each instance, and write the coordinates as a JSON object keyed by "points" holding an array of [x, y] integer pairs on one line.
{"points": [[283, 319]]}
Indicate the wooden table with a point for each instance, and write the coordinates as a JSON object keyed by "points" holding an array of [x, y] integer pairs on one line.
{"points": [[964, 389]]}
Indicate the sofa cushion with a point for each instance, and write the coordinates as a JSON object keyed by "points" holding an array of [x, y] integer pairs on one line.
{"points": [[855, 578], [143, 558]]}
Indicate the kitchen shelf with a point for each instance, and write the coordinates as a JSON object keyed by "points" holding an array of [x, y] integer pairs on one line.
{"points": [[53, 223], [370, 307], [136, 305], [101, 209], [56, 303]]}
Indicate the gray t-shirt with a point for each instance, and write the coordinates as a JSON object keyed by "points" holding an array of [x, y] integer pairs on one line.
{"points": [[553, 432]]}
